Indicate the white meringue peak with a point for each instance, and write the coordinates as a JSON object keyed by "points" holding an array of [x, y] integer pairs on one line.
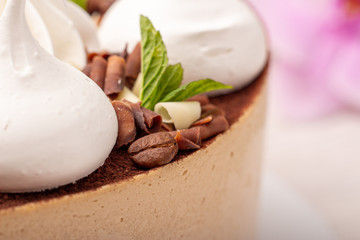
{"points": [[56, 124], [222, 40]]}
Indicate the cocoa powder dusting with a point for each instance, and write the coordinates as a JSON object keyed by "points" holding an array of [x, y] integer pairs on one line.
{"points": [[119, 167]]}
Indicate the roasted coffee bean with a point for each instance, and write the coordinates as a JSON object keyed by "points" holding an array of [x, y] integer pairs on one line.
{"points": [[153, 150]]}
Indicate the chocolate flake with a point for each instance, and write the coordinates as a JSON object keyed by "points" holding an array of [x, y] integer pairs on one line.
{"points": [[203, 121], [218, 125], [187, 139], [87, 69], [145, 119], [124, 54], [126, 123], [103, 54], [152, 120], [168, 127], [193, 134], [98, 71], [138, 115], [115, 75]]}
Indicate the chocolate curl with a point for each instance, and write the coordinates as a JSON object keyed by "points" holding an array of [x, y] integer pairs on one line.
{"points": [[104, 55], [90, 56], [184, 143], [133, 66], [87, 69], [218, 125], [167, 127], [138, 115], [98, 71], [153, 121], [145, 119], [203, 121], [210, 109], [126, 123], [100, 6], [187, 139], [124, 54], [115, 73], [202, 99]]}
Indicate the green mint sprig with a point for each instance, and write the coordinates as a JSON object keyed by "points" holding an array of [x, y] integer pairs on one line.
{"points": [[161, 82]]}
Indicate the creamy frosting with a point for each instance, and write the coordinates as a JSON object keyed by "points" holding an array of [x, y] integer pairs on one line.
{"points": [[56, 125], [222, 40], [63, 29], [38, 28]]}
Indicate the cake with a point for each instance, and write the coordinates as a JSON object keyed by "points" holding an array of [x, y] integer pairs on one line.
{"points": [[210, 193]]}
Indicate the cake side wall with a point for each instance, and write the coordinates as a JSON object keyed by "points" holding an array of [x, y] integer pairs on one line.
{"points": [[212, 194]]}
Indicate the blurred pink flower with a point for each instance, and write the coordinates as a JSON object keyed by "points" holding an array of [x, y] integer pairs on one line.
{"points": [[316, 53]]}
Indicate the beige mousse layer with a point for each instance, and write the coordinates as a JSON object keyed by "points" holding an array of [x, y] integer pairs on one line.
{"points": [[211, 194]]}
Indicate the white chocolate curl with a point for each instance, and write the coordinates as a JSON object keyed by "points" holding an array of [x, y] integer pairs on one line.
{"points": [[181, 114]]}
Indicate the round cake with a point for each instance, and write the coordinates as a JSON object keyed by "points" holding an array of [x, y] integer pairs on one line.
{"points": [[205, 193]]}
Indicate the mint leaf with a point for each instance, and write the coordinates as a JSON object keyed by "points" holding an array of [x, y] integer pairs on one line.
{"points": [[193, 88], [170, 80], [154, 60], [161, 83], [81, 3]]}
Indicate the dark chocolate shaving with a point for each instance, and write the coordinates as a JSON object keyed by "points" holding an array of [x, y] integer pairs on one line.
{"points": [[152, 120], [168, 127], [146, 120], [124, 54], [115, 75], [104, 55], [203, 121], [138, 115], [193, 134], [98, 71], [218, 125], [133, 66], [87, 69], [126, 123], [187, 139]]}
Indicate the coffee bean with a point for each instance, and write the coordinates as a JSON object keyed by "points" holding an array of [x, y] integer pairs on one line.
{"points": [[153, 150]]}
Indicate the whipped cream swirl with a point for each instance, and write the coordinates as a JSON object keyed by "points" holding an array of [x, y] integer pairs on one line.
{"points": [[223, 40], [56, 125], [63, 29]]}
